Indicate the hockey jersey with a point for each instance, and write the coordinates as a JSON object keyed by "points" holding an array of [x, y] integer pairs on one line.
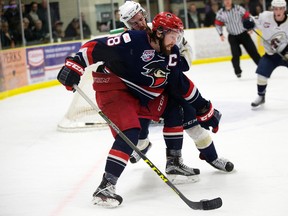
{"points": [[130, 57], [271, 29]]}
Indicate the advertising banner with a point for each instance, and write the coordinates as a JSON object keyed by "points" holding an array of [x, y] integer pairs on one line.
{"points": [[12, 69], [44, 62]]}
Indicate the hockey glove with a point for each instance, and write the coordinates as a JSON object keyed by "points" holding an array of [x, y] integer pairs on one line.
{"points": [[70, 73], [186, 52], [285, 53], [248, 23], [209, 117]]}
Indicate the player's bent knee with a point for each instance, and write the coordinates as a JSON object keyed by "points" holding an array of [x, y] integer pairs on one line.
{"points": [[261, 80], [200, 136]]}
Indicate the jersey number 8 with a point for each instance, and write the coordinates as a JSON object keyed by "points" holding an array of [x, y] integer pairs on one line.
{"points": [[113, 41]]}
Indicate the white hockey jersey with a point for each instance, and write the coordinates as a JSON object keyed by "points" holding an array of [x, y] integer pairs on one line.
{"points": [[271, 30]]}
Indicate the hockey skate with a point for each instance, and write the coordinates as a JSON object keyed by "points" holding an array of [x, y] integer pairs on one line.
{"points": [[144, 146], [258, 101], [178, 173], [105, 195], [222, 164]]}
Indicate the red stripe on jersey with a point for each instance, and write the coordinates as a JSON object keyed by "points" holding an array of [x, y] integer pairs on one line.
{"points": [[173, 129], [191, 87], [218, 22], [90, 47], [119, 154], [246, 15]]}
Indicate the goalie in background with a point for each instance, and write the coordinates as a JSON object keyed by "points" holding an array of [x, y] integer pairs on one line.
{"points": [[274, 27]]}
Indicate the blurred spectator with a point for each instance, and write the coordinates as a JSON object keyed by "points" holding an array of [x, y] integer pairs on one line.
{"points": [[12, 14], [102, 26], [2, 17], [43, 15], [194, 19], [58, 33], [7, 38], [23, 8], [73, 29], [210, 16], [118, 23], [39, 33], [86, 28], [33, 15], [28, 34], [258, 10], [253, 6]]}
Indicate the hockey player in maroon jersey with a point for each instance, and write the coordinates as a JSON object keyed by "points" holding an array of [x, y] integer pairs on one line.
{"points": [[141, 69]]}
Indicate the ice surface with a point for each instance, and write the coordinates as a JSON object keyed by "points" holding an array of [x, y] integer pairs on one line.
{"points": [[44, 172]]}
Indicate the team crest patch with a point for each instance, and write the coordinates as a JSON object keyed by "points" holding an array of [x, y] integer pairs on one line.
{"points": [[158, 74], [148, 55], [266, 25]]}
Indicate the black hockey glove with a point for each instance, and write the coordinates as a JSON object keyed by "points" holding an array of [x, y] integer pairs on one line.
{"points": [[248, 23], [70, 73], [209, 117]]}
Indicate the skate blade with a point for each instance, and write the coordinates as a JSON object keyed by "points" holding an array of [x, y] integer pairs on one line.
{"points": [[180, 179], [107, 203], [259, 107]]}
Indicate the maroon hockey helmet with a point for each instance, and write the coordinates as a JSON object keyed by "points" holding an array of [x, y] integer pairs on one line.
{"points": [[167, 21]]}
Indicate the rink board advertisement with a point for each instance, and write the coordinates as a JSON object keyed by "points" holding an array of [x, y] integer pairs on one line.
{"points": [[44, 63], [12, 69]]}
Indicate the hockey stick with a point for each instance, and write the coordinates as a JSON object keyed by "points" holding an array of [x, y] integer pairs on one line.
{"points": [[201, 205], [265, 41]]}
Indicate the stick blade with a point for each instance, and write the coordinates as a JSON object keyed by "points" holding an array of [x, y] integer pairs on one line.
{"points": [[205, 204], [211, 204]]}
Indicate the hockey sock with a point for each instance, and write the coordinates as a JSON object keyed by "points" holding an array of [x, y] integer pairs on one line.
{"points": [[120, 153], [203, 142], [261, 84], [144, 128], [209, 154], [261, 89], [173, 137]]}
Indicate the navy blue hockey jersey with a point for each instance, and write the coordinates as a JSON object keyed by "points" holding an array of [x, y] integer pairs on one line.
{"points": [[131, 57]]}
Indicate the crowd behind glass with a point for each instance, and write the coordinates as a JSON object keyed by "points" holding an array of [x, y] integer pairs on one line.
{"points": [[24, 24]]}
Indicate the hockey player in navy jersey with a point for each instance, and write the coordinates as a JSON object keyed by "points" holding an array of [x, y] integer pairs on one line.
{"points": [[274, 27], [141, 69], [134, 17]]}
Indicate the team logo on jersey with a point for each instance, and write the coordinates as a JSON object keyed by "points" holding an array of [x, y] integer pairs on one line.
{"points": [[266, 24], [148, 55], [158, 74]]}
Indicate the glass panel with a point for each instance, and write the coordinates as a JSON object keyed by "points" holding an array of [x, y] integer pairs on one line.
{"points": [[62, 20]]}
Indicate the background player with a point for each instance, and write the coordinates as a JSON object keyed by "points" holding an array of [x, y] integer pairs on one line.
{"points": [[274, 27]]}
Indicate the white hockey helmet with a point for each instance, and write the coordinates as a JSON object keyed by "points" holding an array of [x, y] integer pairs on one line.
{"points": [[278, 3], [128, 10]]}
